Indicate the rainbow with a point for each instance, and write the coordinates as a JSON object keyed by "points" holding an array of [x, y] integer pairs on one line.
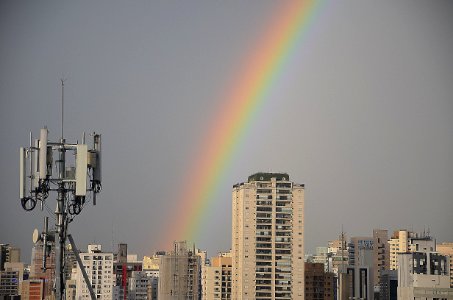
{"points": [[249, 92]]}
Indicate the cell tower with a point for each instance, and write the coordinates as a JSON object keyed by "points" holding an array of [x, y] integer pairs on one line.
{"points": [[73, 183]]}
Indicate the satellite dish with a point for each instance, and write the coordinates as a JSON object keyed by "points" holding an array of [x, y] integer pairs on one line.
{"points": [[36, 236]]}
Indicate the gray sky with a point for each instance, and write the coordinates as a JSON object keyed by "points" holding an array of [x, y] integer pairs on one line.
{"points": [[362, 116]]}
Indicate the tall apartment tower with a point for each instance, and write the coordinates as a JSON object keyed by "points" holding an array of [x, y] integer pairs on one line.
{"points": [[268, 238]]}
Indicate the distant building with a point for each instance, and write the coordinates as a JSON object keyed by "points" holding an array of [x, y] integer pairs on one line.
{"points": [[123, 267], [361, 262], [153, 284], [423, 275], [99, 268], [423, 243], [217, 278], [13, 267], [447, 250], [151, 267], [319, 285], [71, 289], [70, 261], [36, 271], [33, 289], [388, 285], [338, 255], [179, 274], [360, 251], [321, 256], [9, 254], [345, 286], [268, 238], [398, 243], [404, 241], [381, 255], [9, 283], [138, 286]]}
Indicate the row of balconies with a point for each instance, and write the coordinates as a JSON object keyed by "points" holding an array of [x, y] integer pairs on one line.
{"points": [[267, 235]]}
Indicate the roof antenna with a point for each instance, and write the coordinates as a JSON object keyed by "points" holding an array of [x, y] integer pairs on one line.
{"points": [[62, 104]]}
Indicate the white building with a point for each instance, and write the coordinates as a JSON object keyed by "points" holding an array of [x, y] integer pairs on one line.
{"points": [[99, 268]]}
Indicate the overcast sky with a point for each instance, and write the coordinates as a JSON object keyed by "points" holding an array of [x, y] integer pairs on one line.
{"points": [[363, 114]]}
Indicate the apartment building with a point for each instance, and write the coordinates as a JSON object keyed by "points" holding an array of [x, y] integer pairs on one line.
{"points": [[268, 238]]}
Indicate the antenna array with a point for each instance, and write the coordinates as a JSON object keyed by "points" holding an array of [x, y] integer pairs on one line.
{"points": [[72, 183]]}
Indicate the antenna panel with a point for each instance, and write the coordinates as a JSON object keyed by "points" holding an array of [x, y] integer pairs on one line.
{"points": [[35, 163], [22, 173], [81, 170], [43, 154], [49, 160], [97, 175]]}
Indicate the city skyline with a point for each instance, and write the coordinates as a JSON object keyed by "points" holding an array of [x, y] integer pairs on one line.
{"points": [[362, 115]]}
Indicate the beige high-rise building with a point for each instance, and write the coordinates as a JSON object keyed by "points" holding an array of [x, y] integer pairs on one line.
{"points": [[268, 238], [447, 250]]}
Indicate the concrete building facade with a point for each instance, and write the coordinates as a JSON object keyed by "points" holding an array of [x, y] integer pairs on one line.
{"points": [[268, 238], [179, 274]]}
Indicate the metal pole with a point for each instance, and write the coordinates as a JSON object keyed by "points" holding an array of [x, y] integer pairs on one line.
{"points": [[44, 244], [62, 106], [61, 221], [82, 268]]}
